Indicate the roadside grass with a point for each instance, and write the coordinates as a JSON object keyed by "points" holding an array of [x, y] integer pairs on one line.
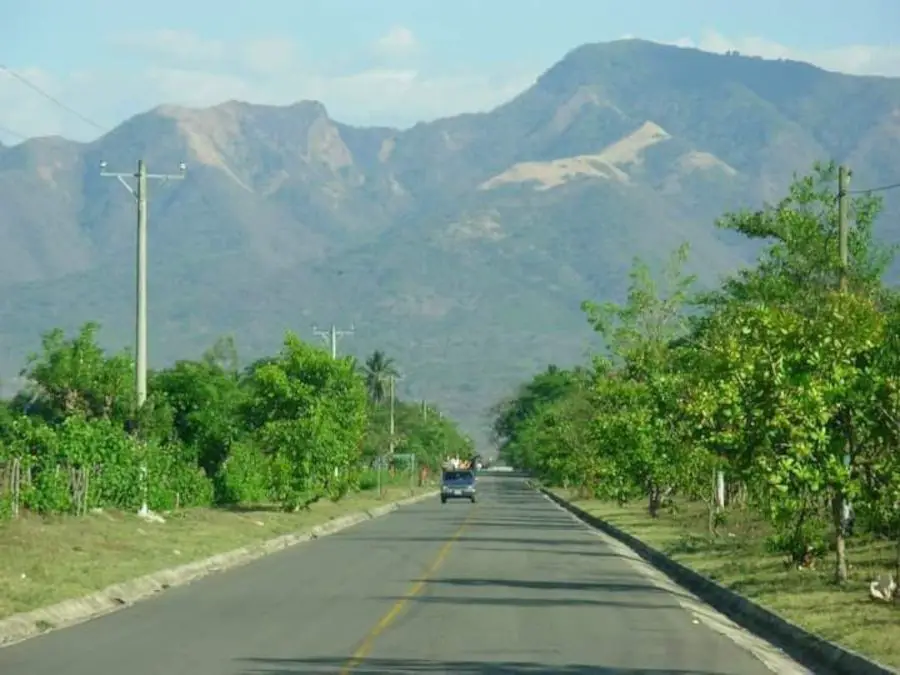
{"points": [[738, 559], [45, 560]]}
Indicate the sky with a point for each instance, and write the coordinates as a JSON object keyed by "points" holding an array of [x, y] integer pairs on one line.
{"points": [[375, 62]]}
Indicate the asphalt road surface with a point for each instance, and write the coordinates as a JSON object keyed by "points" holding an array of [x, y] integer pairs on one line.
{"points": [[512, 584]]}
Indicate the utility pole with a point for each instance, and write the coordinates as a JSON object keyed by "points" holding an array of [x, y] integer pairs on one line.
{"points": [[391, 379], [424, 410], [391, 449], [844, 225], [331, 337], [140, 194], [844, 253]]}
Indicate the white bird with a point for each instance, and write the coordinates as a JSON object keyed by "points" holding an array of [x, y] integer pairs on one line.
{"points": [[883, 588]]}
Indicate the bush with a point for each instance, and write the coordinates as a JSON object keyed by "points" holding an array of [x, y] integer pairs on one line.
{"points": [[244, 476]]}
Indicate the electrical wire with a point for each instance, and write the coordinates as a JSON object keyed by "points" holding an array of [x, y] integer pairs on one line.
{"points": [[15, 134], [882, 188], [69, 109]]}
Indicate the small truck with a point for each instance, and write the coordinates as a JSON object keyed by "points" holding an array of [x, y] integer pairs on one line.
{"points": [[458, 484]]}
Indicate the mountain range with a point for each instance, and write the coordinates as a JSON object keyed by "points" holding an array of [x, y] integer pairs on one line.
{"points": [[463, 246]]}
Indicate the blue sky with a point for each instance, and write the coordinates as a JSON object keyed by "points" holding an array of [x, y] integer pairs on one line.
{"points": [[377, 61]]}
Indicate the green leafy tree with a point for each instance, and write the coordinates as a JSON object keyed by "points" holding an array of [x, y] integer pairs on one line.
{"points": [[310, 415], [75, 376], [639, 335], [206, 403]]}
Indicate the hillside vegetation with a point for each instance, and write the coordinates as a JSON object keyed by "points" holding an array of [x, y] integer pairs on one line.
{"points": [[752, 430], [464, 243]]}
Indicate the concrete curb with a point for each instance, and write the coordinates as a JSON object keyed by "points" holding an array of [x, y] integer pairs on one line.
{"points": [[19, 627], [812, 651]]}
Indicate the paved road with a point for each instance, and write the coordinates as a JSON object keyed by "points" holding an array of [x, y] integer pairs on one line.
{"points": [[509, 585]]}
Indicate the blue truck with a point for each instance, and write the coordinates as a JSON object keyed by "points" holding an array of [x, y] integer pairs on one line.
{"points": [[458, 484]]}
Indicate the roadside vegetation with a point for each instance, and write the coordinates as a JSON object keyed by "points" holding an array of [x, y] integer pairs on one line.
{"points": [[752, 431], [221, 456]]}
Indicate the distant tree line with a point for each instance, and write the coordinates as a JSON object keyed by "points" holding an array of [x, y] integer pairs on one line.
{"points": [[289, 429]]}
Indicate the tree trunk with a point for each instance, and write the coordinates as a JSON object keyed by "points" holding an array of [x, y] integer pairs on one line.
{"points": [[719, 478], [897, 561], [655, 501], [716, 501], [840, 543]]}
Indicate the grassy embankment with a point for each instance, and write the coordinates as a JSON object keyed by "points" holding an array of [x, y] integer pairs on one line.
{"points": [[47, 560]]}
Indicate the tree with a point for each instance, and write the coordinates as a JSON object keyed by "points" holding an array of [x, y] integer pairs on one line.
{"points": [[206, 402], [792, 292], [378, 369], [639, 335], [74, 376], [551, 385], [309, 412]]}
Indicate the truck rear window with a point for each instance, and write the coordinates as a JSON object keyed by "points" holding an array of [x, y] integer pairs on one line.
{"points": [[459, 475]]}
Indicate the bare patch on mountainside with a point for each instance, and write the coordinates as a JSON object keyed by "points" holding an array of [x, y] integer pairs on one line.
{"points": [[386, 149], [210, 134], [218, 137], [549, 175], [422, 301], [485, 226], [325, 144], [607, 164], [584, 97], [703, 160], [629, 149]]}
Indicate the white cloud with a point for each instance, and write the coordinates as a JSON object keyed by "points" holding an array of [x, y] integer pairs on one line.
{"points": [[398, 41], [270, 71], [186, 69], [177, 45], [271, 55], [852, 59]]}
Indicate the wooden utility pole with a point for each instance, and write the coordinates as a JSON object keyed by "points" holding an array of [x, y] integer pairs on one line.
{"points": [[844, 225], [843, 509]]}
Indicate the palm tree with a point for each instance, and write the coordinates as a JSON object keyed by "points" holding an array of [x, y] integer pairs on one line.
{"points": [[378, 370]]}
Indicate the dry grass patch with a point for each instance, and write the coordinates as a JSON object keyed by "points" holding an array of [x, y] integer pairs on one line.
{"points": [[47, 560], [738, 558]]}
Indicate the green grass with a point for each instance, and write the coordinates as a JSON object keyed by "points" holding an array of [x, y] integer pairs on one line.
{"points": [[45, 560], [738, 559]]}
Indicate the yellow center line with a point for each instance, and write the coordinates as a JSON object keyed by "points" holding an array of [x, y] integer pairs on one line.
{"points": [[397, 609]]}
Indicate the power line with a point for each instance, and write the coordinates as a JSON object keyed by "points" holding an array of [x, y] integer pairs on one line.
{"points": [[15, 134], [31, 85], [882, 188]]}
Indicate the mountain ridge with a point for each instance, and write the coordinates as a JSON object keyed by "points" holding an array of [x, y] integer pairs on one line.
{"points": [[288, 217]]}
